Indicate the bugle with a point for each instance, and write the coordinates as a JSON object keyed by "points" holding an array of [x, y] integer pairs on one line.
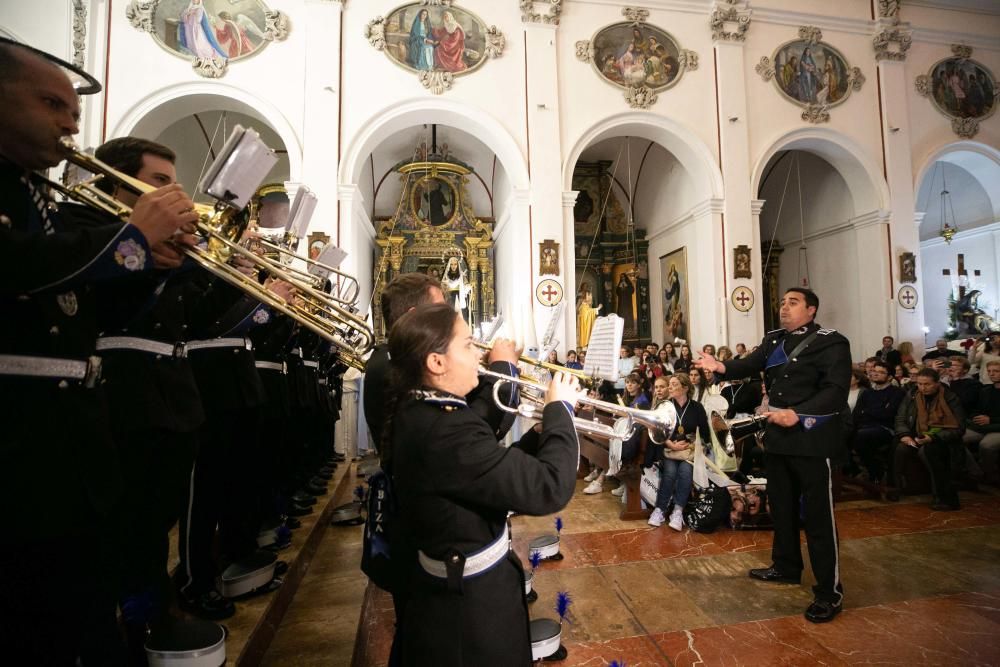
{"points": [[585, 380]]}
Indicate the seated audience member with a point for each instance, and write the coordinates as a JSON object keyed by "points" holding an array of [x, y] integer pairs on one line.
{"points": [[671, 352], [900, 376], [887, 354], [663, 356], [873, 420], [626, 364], [650, 369], [708, 348], [932, 419], [741, 351], [571, 361], [581, 358], [867, 365], [859, 383], [635, 397], [699, 385], [553, 357], [743, 396], [984, 425], [906, 352], [684, 359], [940, 350], [983, 353], [725, 354], [964, 385]]}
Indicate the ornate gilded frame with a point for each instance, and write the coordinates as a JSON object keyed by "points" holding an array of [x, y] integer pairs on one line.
{"points": [[965, 127]]}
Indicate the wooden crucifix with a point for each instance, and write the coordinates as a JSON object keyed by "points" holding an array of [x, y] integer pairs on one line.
{"points": [[961, 272]]}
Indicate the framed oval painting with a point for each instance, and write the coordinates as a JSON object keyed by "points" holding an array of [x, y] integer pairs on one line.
{"points": [[637, 54], [422, 38], [809, 72], [962, 88], [209, 32], [433, 201]]}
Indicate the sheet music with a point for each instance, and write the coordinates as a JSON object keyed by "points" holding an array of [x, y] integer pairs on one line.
{"points": [[602, 351]]}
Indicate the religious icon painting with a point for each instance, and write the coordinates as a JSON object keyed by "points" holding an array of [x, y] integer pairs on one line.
{"points": [[437, 42], [962, 89], [907, 267], [433, 201], [209, 33], [548, 258], [639, 57], [812, 74], [317, 241], [674, 282], [741, 262]]}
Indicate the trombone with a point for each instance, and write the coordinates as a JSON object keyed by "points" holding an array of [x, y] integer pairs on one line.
{"points": [[222, 228], [586, 381], [659, 422]]}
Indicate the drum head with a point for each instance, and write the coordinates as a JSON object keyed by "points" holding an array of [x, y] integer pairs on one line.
{"points": [[187, 643], [547, 546], [545, 637]]}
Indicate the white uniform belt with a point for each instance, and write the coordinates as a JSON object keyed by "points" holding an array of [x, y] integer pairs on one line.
{"points": [[271, 365], [219, 342], [310, 364], [477, 563], [46, 367], [141, 345], [322, 382]]}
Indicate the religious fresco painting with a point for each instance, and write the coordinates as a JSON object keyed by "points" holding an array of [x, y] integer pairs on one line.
{"points": [[811, 74], [433, 200], [962, 89], [436, 42], [626, 298], [640, 57], [674, 281], [211, 33]]}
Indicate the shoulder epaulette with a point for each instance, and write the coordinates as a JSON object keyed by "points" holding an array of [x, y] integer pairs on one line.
{"points": [[775, 331], [825, 332]]}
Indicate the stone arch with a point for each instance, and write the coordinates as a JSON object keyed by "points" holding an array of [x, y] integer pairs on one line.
{"points": [[156, 112], [980, 160]]}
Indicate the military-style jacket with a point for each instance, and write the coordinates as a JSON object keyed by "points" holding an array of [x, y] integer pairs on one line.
{"points": [[814, 384]]}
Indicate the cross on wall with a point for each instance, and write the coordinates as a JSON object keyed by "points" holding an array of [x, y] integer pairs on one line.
{"points": [[743, 298], [549, 293], [962, 273]]}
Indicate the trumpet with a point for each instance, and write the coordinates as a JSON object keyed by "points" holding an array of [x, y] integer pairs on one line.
{"points": [[222, 227], [629, 419], [586, 381]]}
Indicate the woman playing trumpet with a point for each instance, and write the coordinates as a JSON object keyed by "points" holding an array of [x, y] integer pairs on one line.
{"points": [[455, 486]]}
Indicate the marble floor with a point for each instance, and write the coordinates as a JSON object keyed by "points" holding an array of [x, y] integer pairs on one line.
{"points": [[922, 588]]}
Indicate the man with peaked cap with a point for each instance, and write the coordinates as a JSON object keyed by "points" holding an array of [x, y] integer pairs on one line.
{"points": [[55, 609]]}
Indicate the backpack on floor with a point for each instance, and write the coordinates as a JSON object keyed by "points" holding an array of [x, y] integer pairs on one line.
{"points": [[708, 508]]}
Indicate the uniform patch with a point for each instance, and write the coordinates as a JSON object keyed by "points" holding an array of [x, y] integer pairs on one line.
{"points": [[262, 316], [131, 255], [446, 402], [809, 422], [68, 303], [825, 332]]}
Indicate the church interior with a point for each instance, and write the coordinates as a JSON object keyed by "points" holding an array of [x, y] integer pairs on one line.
{"points": [[677, 163]]}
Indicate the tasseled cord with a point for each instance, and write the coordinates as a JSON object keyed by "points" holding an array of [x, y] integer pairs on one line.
{"points": [[615, 663], [559, 524], [359, 493], [535, 557]]}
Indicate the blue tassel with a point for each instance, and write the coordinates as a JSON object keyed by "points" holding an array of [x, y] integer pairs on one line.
{"points": [[559, 524], [359, 493], [615, 663], [563, 601], [535, 557]]}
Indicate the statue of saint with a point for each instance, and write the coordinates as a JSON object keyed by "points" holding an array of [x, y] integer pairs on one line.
{"points": [[585, 316], [456, 287]]}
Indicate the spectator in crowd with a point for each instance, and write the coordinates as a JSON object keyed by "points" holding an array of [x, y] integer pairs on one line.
{"points": [[900, 376], [867, 366], [964, 385], [708, 348], [684, 360], [931, 418], [725, 354], [873, 421], [887, 354], [665, 361], [906, 352], [626, 365], [635, 397], [984, 425], [940, 350], [637, 352], [859, 383], [572, 362], [985, 351], [699, 385], [741, 351], [650, 369], [671, 352], [553, 357]]}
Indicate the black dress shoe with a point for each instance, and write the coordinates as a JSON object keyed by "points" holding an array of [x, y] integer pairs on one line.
{"points": [[323, 475], [303, 498], [318, 481], [821, 611], [299, 510], [774, 576], [945, 507], [292, 522], [210, 606], [280, 568], [314, 489]]}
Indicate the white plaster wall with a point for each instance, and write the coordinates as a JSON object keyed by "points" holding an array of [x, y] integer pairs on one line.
{"points": [[826, 201], [24, 21], [980, 248]]}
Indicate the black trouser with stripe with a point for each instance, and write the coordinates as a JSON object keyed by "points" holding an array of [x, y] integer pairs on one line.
{"points": [[790, 478]]}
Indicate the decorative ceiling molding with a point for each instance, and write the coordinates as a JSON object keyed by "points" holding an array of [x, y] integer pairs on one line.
{"points": [[635, 14], [733, 15], [889, 9], [892, 41], [550, 16], [79, 33]]}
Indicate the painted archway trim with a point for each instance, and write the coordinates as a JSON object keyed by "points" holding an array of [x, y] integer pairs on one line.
{"points": [[976, 158], [677, 139], [423, 110], [862, 175], [156, 112]]}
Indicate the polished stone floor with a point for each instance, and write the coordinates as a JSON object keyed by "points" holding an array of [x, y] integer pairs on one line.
{"points": [[922, 588]]}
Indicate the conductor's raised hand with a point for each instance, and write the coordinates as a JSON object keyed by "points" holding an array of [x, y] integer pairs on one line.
{"points": [[504, 350], [708, 362], [564, 387], [160, 213]]}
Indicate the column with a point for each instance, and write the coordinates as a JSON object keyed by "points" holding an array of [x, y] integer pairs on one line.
{"points": [[544, 159], [568, 248], [891, 41], [740, 227], [871, 233]]}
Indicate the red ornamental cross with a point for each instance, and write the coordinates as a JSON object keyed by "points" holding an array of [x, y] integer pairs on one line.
{"points": [[907, 298], [743, 298], [549, 293]]}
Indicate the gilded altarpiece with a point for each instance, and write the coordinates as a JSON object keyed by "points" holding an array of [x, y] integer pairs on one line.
{"points": [[435, 231], [611, 257]]}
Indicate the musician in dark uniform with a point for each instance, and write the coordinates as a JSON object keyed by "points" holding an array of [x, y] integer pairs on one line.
{"points": [[401, 295], [55, 602], [807, 370], [455, 485]]}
